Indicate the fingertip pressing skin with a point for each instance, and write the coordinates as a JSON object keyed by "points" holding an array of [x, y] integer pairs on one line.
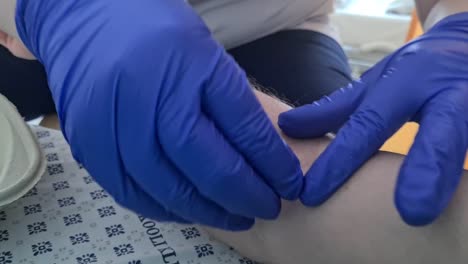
{"points": [[240, 117]]}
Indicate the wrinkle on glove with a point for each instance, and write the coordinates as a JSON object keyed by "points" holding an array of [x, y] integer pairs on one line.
{"points": [[425, 81]]}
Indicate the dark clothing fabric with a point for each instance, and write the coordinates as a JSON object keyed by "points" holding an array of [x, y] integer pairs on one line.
{"points": [[24, 83], [299, 66]]}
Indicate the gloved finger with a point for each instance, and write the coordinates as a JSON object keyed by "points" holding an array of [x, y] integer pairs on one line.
{"points": [[154, 174], [375, 120], [217, 170], [327, 114], [230, 103], [432, 170], [180, 197], [331, 112], [161, 181], [122, 187]]}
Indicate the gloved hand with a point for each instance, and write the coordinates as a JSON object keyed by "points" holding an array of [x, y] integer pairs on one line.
{"points": [[158, 113], [426, 81]]}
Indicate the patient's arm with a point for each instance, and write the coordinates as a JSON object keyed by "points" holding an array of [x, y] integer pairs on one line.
{"points": [[358, 225]]}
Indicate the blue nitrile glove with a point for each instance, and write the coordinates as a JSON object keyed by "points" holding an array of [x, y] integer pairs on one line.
{"points": [[157, 111], [426, 81]]}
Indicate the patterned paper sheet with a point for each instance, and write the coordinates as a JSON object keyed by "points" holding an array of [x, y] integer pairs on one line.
{"points": [[68, 218]]}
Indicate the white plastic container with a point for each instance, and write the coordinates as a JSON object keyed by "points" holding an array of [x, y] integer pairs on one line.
{"points": [[21, 161]]}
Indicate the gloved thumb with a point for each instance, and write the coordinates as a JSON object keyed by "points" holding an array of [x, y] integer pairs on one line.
{"points": [[325, 115]]}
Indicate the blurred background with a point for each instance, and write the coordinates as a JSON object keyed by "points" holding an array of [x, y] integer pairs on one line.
{"points": [[371, 29]]}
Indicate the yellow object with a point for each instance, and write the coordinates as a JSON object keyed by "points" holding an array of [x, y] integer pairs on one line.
{"points": [[415, 29], [402, 140]]}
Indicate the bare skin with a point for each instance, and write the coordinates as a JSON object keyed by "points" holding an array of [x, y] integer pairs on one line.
{"points": [[15, 46], [358, 225]]}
